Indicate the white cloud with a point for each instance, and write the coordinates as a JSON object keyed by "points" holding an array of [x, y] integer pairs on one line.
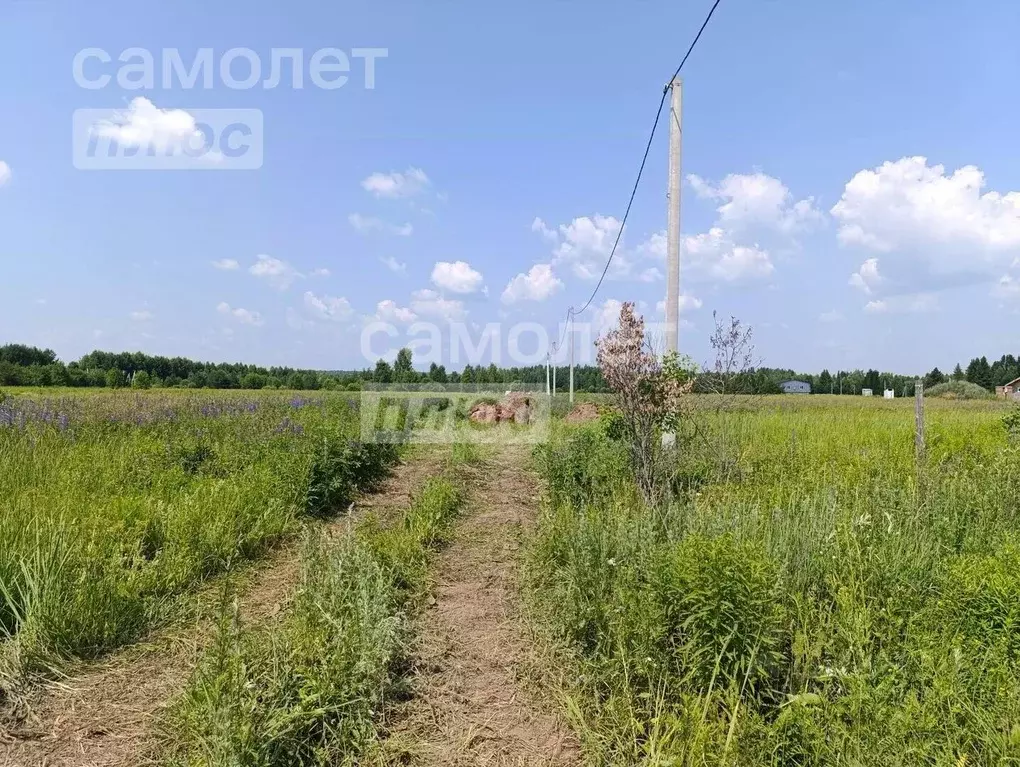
{"points": [[142, 316], [244, 316], [277, 273], [687, 303], [226, 264], [651, 274], [389, 311], [607, 316], [757, 200], [332, 308], [832, 316], [456, 276], [5, 173], [585, 243], [908, 304], [867, 277], [429, 303], [369, 224], [320, 273], [398, 267], [538, 225], [410, 183], [296, 321], [537, 284], [143, 124], [715, 255], [916, 208]]}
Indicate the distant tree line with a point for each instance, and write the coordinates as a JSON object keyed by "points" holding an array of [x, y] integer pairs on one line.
{"points": [[28, 366], [22, 365]]}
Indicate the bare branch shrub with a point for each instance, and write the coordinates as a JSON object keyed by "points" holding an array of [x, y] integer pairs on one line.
{"points": [[652, 395], [734, 355]]}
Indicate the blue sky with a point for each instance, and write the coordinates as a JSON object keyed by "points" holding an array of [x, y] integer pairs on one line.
{"points": [[481, 180]]}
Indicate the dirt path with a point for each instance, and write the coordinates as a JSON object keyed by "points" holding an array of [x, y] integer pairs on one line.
{"points": [[469, 705], [104, 714]]}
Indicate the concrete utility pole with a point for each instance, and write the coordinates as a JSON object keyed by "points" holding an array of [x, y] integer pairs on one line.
{"points": [[673, 219], [571, 332], [548, 389]]}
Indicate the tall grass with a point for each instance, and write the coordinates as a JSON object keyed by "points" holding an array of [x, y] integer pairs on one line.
{"points": [[110, 505], [310, 690], [809, 597]]}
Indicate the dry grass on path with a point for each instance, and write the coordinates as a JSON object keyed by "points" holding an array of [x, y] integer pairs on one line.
{"points": [[470, 705], [105, 714]]}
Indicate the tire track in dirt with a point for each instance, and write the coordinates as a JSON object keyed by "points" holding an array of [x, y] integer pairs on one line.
{"points": [[105, 714], [469, 704]]}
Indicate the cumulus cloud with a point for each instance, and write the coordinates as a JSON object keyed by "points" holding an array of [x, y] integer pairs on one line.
{"points": [[757, 200], [538, 225], [867, 277], [143, 124], [457, 277], [336, 309], [918, 209], [585, 244], [243, 316], [429, 303], [370, 224], [607, 316], [143, 315], [5, 173], [226, 265], [410, 183], [389, 311], [397, 267], [537, 284], [715, 255], [277, 273]]}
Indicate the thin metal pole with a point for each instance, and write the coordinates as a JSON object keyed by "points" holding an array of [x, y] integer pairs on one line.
{"points": [[919, 420], [673, 219], [548, 389], [571, 332], [554, 371]]}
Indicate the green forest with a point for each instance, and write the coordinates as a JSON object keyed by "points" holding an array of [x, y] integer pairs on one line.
{"points": [[22, 365]]}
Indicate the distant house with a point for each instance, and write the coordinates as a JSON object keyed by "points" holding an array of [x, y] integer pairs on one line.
{"points": [[1012, 389], [795, 387]]}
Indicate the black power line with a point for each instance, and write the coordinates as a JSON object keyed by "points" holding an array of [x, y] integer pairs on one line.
{"points": [[641, 170]]}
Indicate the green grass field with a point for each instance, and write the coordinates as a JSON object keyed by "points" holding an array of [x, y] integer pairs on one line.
{"points": [[113, 503], [810, 596]]}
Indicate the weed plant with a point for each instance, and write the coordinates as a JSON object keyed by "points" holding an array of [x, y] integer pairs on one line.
{"points": [[811, 597], [113, 504], [309, 690]]}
